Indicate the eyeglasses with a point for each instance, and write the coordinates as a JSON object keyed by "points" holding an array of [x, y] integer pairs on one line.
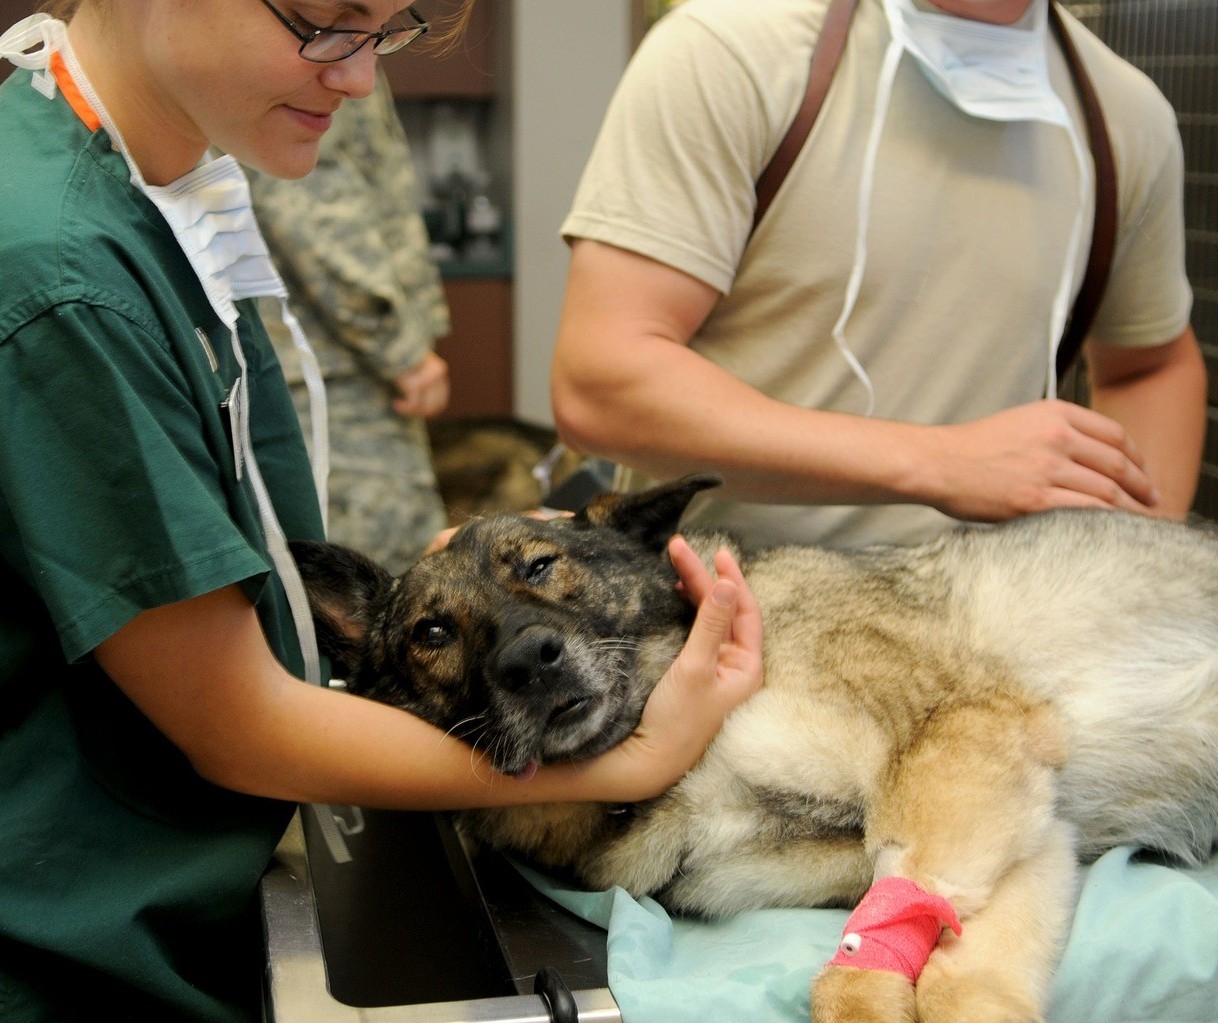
{"points": [[326, 45]]}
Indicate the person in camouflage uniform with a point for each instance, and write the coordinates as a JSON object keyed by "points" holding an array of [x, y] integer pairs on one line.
{"points": [[351, 245]]}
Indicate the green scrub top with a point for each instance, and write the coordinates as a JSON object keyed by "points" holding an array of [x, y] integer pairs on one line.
{"points": [[127, 882]]}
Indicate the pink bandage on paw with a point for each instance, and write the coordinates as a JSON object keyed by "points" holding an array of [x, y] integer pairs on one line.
{"points": [[895, 928]]}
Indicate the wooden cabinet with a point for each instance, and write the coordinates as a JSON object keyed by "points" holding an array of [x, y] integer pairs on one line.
{"points": [[479, 348], [459, 68]]}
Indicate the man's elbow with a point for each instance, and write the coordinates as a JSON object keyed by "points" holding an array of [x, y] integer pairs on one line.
{"points": [[576, 425], [583, 420]]}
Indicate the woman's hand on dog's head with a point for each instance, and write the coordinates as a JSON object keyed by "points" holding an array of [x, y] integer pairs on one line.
{"points": [[719, 667]]}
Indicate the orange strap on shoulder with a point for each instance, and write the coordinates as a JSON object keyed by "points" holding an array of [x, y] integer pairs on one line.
{"points": [[72, 94]]}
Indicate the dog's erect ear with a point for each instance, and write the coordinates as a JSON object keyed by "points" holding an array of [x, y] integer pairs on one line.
{"points": [[650, 516], [343, 587]]}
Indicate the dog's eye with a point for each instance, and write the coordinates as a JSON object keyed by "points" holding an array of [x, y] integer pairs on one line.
{"points": [[430, 632], [537, 570]]}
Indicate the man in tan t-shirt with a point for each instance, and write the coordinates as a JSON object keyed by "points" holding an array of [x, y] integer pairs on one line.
{"points": [[689, 343]]}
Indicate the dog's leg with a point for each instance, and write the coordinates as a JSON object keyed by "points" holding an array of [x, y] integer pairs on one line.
{"points": [[1002, 965], [965, 814]]}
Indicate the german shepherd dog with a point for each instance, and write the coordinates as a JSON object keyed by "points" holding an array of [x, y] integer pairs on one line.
{"points": [[972, 715]]}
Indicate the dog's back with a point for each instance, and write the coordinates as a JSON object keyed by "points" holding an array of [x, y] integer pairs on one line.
{"points": [[1110, 618], [1114, 619]]}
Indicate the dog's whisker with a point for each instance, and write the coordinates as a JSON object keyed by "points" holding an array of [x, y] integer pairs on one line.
{"points": [[618, 643], [473, 759], [471, 725]]}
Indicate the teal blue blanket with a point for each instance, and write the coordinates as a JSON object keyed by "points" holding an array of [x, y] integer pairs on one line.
{"points": [[1143, 949]]}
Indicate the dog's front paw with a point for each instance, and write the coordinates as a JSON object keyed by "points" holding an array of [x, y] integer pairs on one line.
{"points": [[845, 994]]}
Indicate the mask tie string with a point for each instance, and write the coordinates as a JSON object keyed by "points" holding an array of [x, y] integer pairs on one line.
{"points": [[298, 602], [316, 387], [888, 71]]}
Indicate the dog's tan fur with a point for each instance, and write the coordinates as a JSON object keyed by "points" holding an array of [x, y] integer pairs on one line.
{"points": [[974, 715]]}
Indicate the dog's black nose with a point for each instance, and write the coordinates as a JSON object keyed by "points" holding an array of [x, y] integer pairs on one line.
{"points": [[533, 654]]}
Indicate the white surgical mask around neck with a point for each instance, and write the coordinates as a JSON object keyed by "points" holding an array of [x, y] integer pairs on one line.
{"points": [[992, 72], [996, 72]]}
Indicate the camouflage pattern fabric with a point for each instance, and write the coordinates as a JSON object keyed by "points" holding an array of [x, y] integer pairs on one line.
{"points": [[351, 245], [383, 495]]}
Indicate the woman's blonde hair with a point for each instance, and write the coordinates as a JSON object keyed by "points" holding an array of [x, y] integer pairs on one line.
{"points": [[62, 9], [446, 30]]}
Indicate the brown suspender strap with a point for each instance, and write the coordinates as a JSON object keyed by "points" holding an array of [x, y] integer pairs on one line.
{"points": [[1104, 230], [825, 57]]}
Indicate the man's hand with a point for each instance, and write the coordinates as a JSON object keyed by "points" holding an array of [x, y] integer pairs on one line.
{"points": [[423, 389], [1047, 454]]}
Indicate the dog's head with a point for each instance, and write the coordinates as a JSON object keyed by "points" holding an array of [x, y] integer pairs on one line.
{"points": [[534, 640]]}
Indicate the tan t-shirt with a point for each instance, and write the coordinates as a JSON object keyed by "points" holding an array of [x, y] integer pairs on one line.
{"points": [[969, 228]]}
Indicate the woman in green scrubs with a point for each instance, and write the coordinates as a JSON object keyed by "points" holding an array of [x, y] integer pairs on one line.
{"points": [[155, 733]]}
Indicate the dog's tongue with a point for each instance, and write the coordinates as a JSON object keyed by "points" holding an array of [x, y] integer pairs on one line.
{"points": [[527, 771]]}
